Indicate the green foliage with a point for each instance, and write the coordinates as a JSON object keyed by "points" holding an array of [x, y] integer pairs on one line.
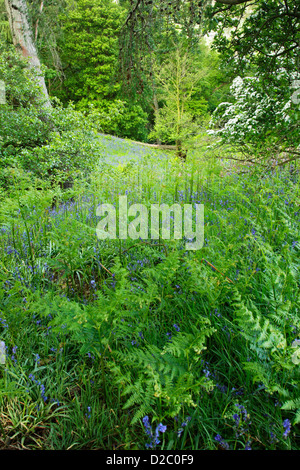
{"points": [[176, 79], [19, 80], [5, 34], [214, 84], [180, 336], [22, 123], [57, 145], [260, 44], [189, 83], [72, 147], [119, 333], [89, 51], [120, 118], [133, 123], [258, 37]]}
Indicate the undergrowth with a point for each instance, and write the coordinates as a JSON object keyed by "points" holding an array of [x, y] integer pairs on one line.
{"points": [[109, 339]]}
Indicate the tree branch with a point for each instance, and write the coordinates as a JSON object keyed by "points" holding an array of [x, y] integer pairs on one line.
{"points": [[131, 13], [233, 2]]}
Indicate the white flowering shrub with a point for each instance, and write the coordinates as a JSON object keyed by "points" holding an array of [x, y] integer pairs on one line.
{"points": [[259, 117]]}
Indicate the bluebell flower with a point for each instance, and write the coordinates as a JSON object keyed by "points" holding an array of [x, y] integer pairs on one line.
{"points": [[180, 430], [217, 313], [14, 349], [3, 322], [273, 438], [159, 428], [154, 438], [243, 410], [42, 387], [176, 327], [287, 427], [236, 419], [53, 400], [147, 426], [221, 441]]}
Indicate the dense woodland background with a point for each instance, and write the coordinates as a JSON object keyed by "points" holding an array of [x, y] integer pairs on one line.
{"points": [[163, 71]]}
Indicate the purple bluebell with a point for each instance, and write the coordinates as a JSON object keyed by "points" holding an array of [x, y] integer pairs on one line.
{"points": [[154, 437], [287, 427], [236, 419], [221, 441], [180, 430]]}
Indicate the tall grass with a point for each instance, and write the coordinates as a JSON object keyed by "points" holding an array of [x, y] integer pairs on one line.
{"points": [[101, 334]]}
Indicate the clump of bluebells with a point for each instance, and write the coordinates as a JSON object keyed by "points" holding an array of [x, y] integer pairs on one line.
{"points": [[223, 444], [3, 322], [88, 413], [13, 357], [241, 420], [153, 436], [42, 386], [211, 368], [287, 427]]}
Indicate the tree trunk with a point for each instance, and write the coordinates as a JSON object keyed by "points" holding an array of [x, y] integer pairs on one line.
{"points": [[180, 152], [155, 100], [23, 40]]}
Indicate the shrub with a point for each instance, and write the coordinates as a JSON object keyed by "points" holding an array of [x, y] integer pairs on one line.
{"points": [[72, 147], [259, 118], [59, 143], [119, 118]]}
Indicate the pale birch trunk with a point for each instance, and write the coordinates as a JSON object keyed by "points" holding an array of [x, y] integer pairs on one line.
{"points": [[23, 40]]}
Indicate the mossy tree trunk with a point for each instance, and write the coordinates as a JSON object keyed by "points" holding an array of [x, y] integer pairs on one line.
{"points": [[17, 13]]}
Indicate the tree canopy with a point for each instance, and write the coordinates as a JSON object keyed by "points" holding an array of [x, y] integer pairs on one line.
{"points": [[107, 58], [262, 30]]}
